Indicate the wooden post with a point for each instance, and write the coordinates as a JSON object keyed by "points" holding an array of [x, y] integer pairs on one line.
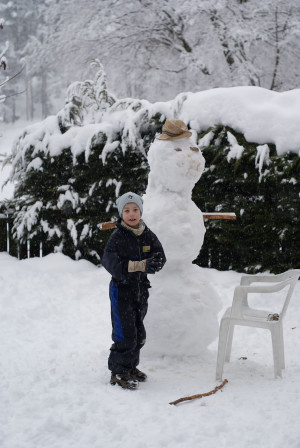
{"points": [[7, 235]]}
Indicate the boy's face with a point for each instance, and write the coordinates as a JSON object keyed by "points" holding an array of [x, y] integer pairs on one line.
{"points": [[131, 214]]}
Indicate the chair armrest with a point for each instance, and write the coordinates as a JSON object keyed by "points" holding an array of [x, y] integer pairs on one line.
{"points": [[248, 279]]}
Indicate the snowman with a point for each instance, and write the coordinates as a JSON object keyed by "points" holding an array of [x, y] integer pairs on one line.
{"points": [[183, 307]]}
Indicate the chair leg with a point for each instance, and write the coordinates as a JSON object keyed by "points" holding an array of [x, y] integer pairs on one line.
{"points": [[281, 346], [223, 335], [229, 343], [276, 346]]}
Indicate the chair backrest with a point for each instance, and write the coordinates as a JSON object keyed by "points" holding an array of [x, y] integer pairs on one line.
{"points": [[258, 278], [241, 292]]}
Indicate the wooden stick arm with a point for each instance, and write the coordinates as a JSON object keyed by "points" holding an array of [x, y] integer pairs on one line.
{"points": [[107, 225], [112, 224], [217, 215]]}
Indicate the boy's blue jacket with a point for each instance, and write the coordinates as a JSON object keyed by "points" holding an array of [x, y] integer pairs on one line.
{"points": [[124, 245]]}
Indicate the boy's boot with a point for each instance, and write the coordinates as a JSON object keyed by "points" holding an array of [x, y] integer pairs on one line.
{"points": [[138, 375], [124, 380]]}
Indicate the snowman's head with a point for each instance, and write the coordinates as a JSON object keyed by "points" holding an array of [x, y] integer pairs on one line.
{"points": [[175, 164]]}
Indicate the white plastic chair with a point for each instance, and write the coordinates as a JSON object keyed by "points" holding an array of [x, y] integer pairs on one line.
{"points": [[241, 314]]}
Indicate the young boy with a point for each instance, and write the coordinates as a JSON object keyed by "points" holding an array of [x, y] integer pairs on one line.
{"points": [[132, 252]]}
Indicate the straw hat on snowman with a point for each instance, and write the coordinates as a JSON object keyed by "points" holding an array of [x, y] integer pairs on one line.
{"points": [[173, 130]]}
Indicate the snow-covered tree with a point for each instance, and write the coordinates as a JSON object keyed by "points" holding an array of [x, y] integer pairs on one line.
{"points": [[13, 70], [25, 30], [180, 46], [153, 50], [3, 61]]}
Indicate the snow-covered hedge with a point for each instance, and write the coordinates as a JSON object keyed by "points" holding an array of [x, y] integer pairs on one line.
{"points": [[70, 168], [262, 188]]}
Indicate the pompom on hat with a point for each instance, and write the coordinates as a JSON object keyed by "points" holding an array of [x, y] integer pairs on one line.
{"points": [[126, 198], [173, 130]]}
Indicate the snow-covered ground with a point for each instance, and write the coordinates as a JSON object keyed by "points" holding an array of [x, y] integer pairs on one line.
{"points": [[55, 391]]}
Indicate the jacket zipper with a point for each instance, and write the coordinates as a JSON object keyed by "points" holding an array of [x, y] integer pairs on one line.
{"points": [[139, 279]]}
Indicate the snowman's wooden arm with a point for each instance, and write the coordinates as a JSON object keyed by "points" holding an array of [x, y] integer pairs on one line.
{"points": [[112, 224], [107, 225], [216, 215]]}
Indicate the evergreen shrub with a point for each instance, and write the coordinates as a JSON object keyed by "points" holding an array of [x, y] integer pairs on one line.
{"points": [[262, 188], [64, 188]]}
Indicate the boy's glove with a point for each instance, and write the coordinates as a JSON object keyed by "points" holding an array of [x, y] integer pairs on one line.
{"points": [[137, 266], [154, 264], [150, 265]]}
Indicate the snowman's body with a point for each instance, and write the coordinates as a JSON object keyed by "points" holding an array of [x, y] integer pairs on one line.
{"points": [[182, 318]]}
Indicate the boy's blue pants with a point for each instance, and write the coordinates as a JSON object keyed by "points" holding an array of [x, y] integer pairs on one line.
{"points": [[129, 304]]}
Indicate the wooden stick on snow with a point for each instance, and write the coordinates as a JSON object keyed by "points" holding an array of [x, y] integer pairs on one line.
{"points": [[192, 397], [216, 215]]}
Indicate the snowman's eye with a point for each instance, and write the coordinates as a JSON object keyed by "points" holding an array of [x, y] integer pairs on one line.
{"points": [[178, 149], [194, 148]]}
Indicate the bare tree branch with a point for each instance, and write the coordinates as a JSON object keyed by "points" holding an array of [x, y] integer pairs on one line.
{"points": [[12, 77]]}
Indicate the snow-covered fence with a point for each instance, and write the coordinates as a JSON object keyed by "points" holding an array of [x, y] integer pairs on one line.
{"points": [[9, 244]]}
